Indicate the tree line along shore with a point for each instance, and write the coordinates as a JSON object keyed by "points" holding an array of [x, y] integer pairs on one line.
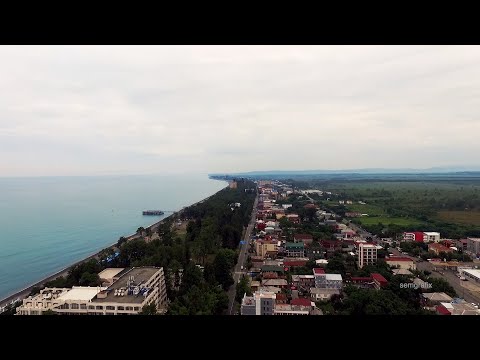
{"points": [[196, 246]]}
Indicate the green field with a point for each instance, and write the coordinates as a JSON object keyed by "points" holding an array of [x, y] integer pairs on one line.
{"points": [[366, 209], [462, 217], [389, 220]]}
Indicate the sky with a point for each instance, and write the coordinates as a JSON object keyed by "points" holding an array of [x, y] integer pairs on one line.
{"points": [[99, 110]]}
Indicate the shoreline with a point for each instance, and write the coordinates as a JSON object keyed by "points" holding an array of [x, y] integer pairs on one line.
{"points": [[23, 293]]}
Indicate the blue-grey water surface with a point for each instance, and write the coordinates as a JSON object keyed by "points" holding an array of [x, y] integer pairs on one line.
{"points": [[48, 223]]}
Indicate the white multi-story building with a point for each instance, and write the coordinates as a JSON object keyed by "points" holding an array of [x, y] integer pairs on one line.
{"points": [[261, 303], [431, 237], [128, 293], [367, 254]]}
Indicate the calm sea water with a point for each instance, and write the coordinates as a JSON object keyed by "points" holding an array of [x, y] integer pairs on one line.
{"points": [[48, 223]]}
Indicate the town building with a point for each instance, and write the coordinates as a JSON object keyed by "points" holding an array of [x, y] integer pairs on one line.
{"points": [[431, 237], [303, 281], [438, 248], [473, 245], [129, 291], [472, 274], [263, 246], [401, 262], [327, 281], [321, 294], [367, 254], [307, 239], [457, 307], [295, 249], [261, 303], [413, 236], [378, 281]]}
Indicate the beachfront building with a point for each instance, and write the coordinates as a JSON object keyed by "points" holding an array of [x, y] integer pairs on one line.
{"points": [[132, 289]]}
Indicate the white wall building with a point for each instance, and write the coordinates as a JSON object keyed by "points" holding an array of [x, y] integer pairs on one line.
{"points": [[127, 295], [367, 254]]}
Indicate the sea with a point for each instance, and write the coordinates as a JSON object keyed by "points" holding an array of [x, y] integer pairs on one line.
{"points": [[49, 223]]}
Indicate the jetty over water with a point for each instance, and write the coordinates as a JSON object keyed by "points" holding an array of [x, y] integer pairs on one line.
{"points": [[153, 212]]}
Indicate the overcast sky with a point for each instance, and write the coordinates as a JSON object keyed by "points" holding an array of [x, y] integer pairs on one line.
{"points": [[86, 110]]}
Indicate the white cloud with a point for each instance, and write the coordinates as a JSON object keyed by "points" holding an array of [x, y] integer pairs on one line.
{"points": [[141, 109]]}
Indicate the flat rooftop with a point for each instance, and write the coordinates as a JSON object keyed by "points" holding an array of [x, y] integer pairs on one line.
{"points": [[81, 293], [140, 274], [473, 272], [109, 273]]}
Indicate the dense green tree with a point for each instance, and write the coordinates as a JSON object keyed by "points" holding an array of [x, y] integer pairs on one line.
{"points": [[149, 310]]}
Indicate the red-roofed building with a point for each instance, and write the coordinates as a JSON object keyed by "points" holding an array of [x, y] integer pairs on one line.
{"points": [[294, 263], [305, 238], [442, 310], [310, 206], [281, 298], [378, 280], [438, 248], [301, 301], [318, 271], [294, 218]]}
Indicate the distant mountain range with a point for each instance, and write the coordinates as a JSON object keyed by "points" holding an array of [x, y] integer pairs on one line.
{"points": [[432, 170]]}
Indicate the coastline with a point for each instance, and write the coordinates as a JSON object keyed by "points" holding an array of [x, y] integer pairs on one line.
{"points": [[22, 294]]}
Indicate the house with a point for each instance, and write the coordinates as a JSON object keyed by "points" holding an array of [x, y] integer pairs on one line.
{"points": [[293, 249], [458, 307], [401, 262], [303, 281], [294, 218], [272, 268], [473, 245], [265, 245], [431, 237], [302, 302], [374, 281], [294, 262], [281, 298], [463, 244], [362, 282], [378, 281], [402, 272], [314, 251], [438, 248], [307, 239], [331, 246], [255, 285], [321, 294], [432, 299], [353, 214], [327, 281], [281, 283]]}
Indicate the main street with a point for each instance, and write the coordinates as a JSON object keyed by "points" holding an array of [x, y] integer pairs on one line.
{"points": [[241, 259]]}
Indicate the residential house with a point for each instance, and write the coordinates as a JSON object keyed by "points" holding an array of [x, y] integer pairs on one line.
{"points": [[281, 283], [322, 294], [401, 262], [473, 245], [295, 249], [307, 239], [378, 281], [303, 281], [438, 248], [265, 245]]}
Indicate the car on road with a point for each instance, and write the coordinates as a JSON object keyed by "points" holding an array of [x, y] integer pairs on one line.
{"points": [[463, 278], [241, 267]]}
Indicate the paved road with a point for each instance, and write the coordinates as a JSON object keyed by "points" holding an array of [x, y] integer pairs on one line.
{"points": [[241, 260], [451, 277]]}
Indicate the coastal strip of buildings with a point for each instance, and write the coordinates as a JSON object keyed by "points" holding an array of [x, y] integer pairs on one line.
{"points": [[124, 291]]}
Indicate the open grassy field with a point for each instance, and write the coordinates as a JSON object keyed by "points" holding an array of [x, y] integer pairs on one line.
{"points": [[389, 220], [462, 217], [366, 209]]}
